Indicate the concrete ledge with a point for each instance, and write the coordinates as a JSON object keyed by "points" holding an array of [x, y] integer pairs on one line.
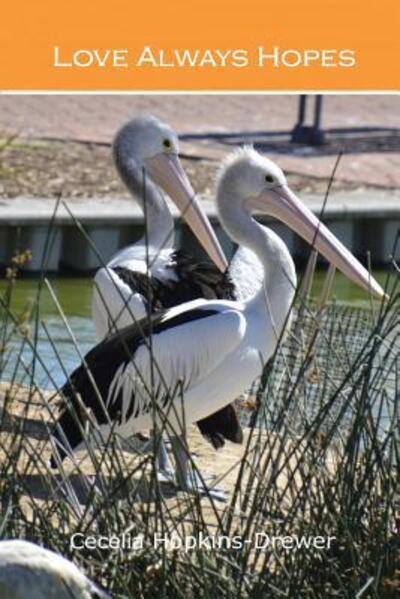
{"points": [[103, 211], [363, 221]]}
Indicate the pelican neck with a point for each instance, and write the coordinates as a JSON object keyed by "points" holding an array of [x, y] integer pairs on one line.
{"points": [[275, 297], [158, 219]]}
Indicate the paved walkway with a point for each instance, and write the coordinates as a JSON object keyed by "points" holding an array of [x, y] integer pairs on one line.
{"points": [[366, 127]]}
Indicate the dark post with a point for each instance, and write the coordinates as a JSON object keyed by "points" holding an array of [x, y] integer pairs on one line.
{"points": [[305, 134]]}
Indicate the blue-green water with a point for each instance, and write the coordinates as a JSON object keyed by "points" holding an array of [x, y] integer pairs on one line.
{"points": [[74, 294], [56, 349]]}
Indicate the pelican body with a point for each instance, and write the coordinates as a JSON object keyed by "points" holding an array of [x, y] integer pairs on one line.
{"points": [[28, 571], [150, 275], [205, 353]]}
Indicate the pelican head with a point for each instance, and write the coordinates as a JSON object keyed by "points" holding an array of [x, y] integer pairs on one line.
{"points": [[256, 184], [145, 137], [146, 144]]}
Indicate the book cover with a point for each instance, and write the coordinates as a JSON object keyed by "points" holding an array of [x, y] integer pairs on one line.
{"points": [[199, 298]]}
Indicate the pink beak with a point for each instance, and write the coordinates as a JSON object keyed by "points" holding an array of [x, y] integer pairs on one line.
{"points": [[166, 170], [284, 205]]}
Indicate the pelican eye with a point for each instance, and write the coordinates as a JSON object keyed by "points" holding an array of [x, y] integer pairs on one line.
{"points": [[167, 143], [269, 178]]}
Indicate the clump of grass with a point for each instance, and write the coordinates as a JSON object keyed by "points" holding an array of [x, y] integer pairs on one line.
{"points": [[321, 459], [5, 144]]}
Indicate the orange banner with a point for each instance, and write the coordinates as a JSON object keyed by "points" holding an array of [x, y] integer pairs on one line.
{"points": [[200, 45]]}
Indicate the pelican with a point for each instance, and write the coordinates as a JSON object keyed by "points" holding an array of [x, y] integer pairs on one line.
{"points": [[28, 571], [196, 357], [150, 274]]}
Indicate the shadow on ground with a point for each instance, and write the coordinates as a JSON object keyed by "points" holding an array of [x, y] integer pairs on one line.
{"points": [[356, 140]]}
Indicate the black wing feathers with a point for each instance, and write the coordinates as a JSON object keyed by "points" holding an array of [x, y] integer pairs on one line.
{"points": [[95, 376], [194, 280], [222, 425]]}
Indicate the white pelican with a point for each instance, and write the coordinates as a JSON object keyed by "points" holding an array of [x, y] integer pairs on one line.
{"points": [[208, 351], [150, 274], [125, 289], [28, 571]]}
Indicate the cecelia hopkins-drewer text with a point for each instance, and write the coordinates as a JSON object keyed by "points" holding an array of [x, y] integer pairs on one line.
{"points": [[260, 541]]}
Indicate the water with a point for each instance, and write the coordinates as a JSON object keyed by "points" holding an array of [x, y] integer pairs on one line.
{"points": [[57, 351]]}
